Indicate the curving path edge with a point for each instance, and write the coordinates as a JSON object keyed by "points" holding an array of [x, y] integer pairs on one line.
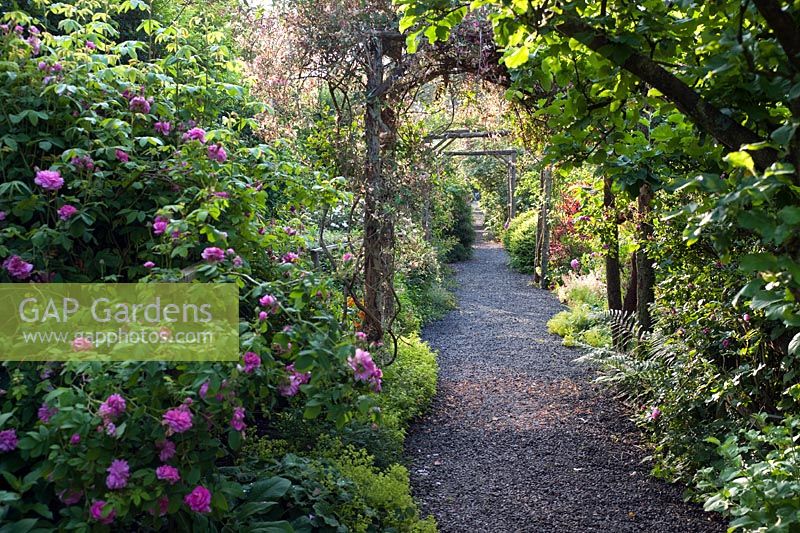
{"points": [[518, 439]]}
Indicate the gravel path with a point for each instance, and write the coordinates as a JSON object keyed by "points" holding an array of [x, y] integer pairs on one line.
{"points": [[518, 439]]}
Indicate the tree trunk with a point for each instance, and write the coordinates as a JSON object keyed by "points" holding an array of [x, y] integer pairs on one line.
{"points": [[613, 283], [645, 275], [373, 191]]}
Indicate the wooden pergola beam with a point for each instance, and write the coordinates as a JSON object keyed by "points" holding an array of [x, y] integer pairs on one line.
{"points": [[482, 152], [509, 157], [468, 134]]}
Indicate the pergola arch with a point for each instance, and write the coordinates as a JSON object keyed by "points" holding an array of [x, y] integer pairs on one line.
{"points": [[507, 156]]}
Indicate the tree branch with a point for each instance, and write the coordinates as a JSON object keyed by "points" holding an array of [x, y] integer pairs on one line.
{"points": [[785, 28], [723, 128]]}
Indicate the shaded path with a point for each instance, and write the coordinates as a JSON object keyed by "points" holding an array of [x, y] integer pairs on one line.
{"points": [[517, 438]]}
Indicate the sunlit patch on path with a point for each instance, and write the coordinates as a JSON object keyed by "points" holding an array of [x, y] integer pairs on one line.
{"points": [[518, 438]]}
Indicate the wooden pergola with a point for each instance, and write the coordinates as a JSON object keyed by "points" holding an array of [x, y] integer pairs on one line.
{"points": [[508, 156]]}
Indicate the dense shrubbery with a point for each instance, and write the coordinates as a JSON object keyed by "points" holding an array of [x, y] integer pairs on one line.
{"points": [[460, 231], [520, 241], [585, 322], [115, 169]]}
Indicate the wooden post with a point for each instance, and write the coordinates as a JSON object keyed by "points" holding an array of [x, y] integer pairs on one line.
{"points": [[548, 191], [373, 190], [512, 185]]}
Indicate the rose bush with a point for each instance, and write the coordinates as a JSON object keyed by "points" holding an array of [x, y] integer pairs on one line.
{"points": [[114, 170]]}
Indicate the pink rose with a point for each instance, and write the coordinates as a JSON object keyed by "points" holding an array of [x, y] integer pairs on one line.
{"points": [[49, 180], [199, 500], [66, 212]]}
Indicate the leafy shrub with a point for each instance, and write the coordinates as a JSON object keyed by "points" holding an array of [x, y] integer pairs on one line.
{"points": [[420, 282], [581, 325], [567, 323], [461, 231], [520, 241], [410, 382], [334, 487], [151, 179], [408, 388], [597, 336], [577, 289], [386, 493], [756, 479]]}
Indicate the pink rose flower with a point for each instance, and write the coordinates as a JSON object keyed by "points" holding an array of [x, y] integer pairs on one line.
{"points": [[251, 362], [365, 369], [113, 407], [83, 162], [347, 257], [168, 473], [199, 500], [45, 413], [122, 156], [237, 421], [177, 420], [81, 345], [66, 212], [167, 450], [139, 104], [17, 268], [8, 440], [195, 134], [98, 509], [268, 300], [49, 180], [293, 382], [162, 127], [118, 474], [213, 254], [217, 153], [149, 264]]}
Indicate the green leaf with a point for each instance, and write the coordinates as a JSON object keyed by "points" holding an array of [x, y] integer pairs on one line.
{"points": [[272, 527], [741, 160], [235, 439], [271, 489], [784, 134], [219, 501], [20, 526], [518, 58], [790, 215], [794, 345]]}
